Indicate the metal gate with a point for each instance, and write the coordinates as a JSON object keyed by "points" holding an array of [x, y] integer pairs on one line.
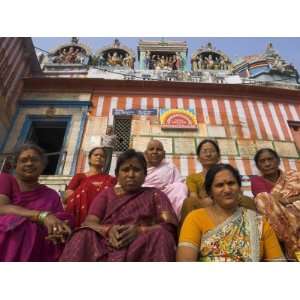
{"points": [[122, 128]]}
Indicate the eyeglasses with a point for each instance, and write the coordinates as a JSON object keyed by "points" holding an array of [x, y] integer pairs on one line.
{"points": [[206, 151]]}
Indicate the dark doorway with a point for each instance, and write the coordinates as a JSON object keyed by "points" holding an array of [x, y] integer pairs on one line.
{"points": [[49, 135]]}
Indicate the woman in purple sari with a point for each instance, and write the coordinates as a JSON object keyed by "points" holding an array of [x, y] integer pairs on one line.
{"points": [[33, 225], [128, 222]]}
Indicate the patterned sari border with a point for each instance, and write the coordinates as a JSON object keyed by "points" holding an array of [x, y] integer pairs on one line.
{"points": [[232, 218], [253, 222], [188, 244]]}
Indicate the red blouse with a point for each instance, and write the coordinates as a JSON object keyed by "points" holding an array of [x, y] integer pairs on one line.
{"points": [[86, 188]]}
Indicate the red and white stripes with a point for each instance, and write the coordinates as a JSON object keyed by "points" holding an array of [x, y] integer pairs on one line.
{"points": [[251, 119]]}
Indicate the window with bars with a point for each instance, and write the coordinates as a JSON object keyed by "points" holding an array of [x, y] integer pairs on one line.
{"points": [[122, 128]]}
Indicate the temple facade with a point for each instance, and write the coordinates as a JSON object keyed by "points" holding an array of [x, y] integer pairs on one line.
{"points": [[243, 105]]}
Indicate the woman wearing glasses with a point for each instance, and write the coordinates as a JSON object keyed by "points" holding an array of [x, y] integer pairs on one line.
{"points": [[208, 154]]}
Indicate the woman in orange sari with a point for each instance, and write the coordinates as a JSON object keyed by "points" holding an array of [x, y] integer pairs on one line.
{"points": [[225, 231], [84, 187]]}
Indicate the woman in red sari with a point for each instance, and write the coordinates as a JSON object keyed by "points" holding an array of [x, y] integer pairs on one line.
{"points": [[277, 196], [84, 187], [267, 162], [126, 223]]}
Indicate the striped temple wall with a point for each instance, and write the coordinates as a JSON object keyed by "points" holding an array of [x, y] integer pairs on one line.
{"points": [[241, 126], [14, 65]]}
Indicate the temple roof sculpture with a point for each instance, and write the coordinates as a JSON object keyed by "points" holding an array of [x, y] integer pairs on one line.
{"points": [[162, 55], [70, 53], [209, 58], [166, 60], [115, 55], [269, 63]]}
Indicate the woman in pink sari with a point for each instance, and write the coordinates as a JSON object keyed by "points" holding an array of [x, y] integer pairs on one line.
{"points": [[164, 175], [84, 187], [33, 225], [126, 223], [278, 198]]}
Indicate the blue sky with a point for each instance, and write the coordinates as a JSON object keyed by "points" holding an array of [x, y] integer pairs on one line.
{"points": [[288, 48]]}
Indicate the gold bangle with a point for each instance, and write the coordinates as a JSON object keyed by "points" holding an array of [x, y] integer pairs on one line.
{"points": [[35, 218], [42, 216]]}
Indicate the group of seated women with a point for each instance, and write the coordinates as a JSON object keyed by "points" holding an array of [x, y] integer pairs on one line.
{"points": [[148, 213]]}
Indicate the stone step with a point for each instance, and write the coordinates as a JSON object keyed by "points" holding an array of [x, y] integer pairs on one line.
{"points": [[56, 182], [55, 177]]}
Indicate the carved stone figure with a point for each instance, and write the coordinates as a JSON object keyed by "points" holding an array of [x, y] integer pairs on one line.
{"points": [[279, 65], [162, 63], [195, 63], [152, 62], [174, 59], [222, 63], [80, 57], [209, 62], [115, 59], [70, 56], [200, 62], [128, 61], [147, 60], [178, 61], [101, 61], [170, 62]]}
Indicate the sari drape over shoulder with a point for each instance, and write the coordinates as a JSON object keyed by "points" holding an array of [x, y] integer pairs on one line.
{"points": [[86, 188], [167, 178], [195, 183], [282, 209], [20, 238], [259, 184], [237, 239], [244, 236], [146, 207]]}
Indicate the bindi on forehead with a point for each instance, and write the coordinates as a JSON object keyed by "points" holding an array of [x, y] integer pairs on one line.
{"points": [[29, 153], [28, 157]]}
